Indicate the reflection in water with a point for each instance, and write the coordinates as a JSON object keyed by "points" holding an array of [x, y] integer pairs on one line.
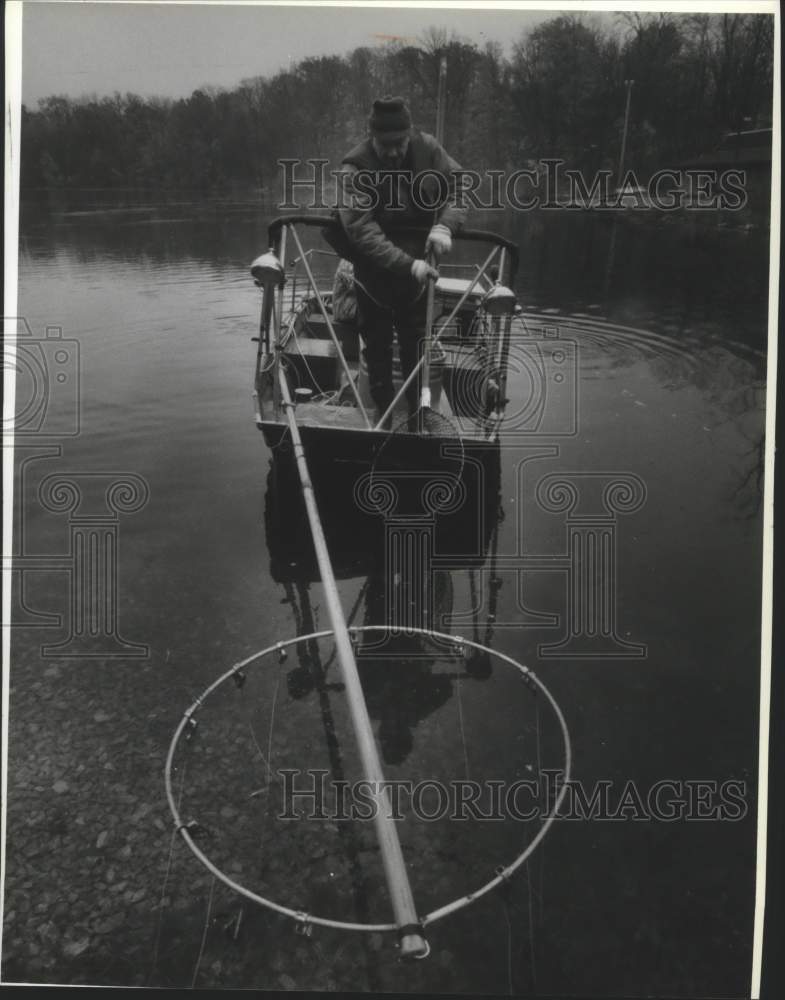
{"points": [[728, 375], [673, 277], [400, 687], [679, 275], [407, 561]]}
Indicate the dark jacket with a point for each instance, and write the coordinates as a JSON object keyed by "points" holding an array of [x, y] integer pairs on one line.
{"points": [[373, 243]]}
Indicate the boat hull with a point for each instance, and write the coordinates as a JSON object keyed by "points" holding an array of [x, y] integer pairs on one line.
{"points": [[368, 484]]}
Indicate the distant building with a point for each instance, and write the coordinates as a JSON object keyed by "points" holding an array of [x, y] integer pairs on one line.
{"points": [[749, 151]]}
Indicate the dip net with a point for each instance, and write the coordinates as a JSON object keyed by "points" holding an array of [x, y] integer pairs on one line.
{"points": [[265, 785]]}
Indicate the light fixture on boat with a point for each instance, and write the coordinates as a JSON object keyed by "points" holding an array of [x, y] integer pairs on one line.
{"points": [[268, 269], [500, 301], [268, 274]]}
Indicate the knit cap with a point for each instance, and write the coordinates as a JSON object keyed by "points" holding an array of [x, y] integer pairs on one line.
{"points": [[389, 119]]}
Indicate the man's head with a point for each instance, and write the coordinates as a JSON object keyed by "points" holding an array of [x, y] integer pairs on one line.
{"points": [[389, 126]]}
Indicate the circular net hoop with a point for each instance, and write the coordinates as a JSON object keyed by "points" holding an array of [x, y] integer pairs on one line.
{"points": [[501, 874]]}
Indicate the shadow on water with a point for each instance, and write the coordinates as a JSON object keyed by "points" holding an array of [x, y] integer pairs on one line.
{"points": [[406, 555]]}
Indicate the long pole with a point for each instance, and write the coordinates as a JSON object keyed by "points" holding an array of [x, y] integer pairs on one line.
{"points": [[412, 943], [442, 327], [425, 391], [612, 246]]}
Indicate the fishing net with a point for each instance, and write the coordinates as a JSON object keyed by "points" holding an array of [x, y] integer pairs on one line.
{"points": [[265, 786], [402, 448]]}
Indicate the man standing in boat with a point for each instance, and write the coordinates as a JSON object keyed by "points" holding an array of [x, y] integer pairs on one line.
{"points": [[397, 177]]}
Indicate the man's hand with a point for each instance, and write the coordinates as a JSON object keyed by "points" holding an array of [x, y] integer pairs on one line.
{"points": [[439, 240], [422, 271]]}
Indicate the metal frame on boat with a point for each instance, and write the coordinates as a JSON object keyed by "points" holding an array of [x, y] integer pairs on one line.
{"points": [[307, 358]]}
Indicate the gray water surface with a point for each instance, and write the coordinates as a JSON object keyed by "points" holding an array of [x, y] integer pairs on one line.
{"points": [[667, 395]]}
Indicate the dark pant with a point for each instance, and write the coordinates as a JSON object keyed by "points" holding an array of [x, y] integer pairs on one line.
{"points": [[378, 323]]}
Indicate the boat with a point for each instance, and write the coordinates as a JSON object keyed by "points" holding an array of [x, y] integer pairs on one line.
{"points": [[309, 359]]}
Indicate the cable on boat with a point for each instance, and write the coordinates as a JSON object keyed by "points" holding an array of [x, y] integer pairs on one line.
{"points": [[439, 427], [308, 368]]}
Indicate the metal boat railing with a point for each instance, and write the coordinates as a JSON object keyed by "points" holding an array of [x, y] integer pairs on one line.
{"points": [[275, 232], [502, 249]]}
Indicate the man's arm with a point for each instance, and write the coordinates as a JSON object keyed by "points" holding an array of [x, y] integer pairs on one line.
{"points": [[364, 232]]}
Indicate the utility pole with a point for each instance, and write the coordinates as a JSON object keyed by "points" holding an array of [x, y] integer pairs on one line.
{"points": [[628, 84], [441, 99], [612, 246]]}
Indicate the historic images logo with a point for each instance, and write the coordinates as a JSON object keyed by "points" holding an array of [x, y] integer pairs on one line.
{"points": [[545, 184], [309, 795], [47, 375]]}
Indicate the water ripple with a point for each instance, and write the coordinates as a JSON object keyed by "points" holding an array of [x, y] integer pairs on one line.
{"points": [[620, 344]]}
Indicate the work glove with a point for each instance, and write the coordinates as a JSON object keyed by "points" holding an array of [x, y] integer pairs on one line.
{"points": [[439, 240], [422, 271]]}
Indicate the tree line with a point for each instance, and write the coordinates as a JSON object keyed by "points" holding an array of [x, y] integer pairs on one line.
{"points": [[561, 93]]}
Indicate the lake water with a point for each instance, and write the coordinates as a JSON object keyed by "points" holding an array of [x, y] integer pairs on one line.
{"points": [[149, 319]]}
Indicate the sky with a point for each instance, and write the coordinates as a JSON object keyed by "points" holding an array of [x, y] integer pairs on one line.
{"points": [[169, 50]]}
